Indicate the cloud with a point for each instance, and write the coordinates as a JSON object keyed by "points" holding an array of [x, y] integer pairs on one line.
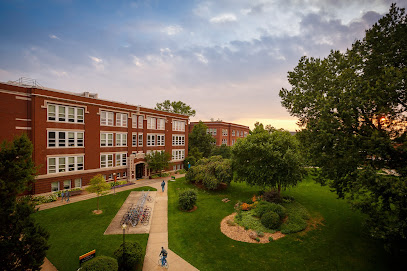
{"points": [[98, 63], [137, 61], [223, 18], [201, 58], [172, 30], [51, 36]]}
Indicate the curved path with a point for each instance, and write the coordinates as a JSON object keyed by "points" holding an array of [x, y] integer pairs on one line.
{"points": [[158, 236]]}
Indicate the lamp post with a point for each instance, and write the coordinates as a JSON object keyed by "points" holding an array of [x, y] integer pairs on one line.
{"points": [[124, 244], [114, 184]]}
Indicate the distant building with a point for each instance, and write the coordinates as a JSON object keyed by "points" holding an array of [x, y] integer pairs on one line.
{"points": [[225, 133], [77, 135]]}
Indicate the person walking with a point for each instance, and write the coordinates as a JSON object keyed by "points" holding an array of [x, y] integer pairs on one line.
{"points": [[62, 196], [67, 196], [163, 185]]}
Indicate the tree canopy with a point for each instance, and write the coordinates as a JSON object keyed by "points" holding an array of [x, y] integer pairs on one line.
{"points": [[23, 243], [176, 107], [99, 186], [158, 161], [352, 106], [201, 140], [268, 159]]}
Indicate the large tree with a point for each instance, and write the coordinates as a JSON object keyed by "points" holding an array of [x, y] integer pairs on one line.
{"points": [[158, 161], [23, 243], [176, 107], [268, 158], [352, 107], [99, 186], [201, 140]]}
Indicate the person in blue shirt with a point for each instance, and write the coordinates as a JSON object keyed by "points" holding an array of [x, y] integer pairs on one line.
{"points": [[163, 185], [164, 254]]}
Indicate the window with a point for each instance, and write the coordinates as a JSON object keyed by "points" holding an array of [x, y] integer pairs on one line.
{"points": [[241, 133], [160, 140], [65, 163], [140, 139], [121, 119], [121, 139], [134, 140], [178, 125], [106, 118], [106, 139], [62, 113], [121, 159], [233, 133], [110, 176], [178, 140], [245, 134], [133, 121], [224, 132], [224, 141], [54, 186], [151, 123], [67, 184], [78, 182], [140, 122], [118, 175], [65, 139], [124, 174], [160, 124], [106, 160], [178, 154], [211, 131], [52, 113], [233, 142], [150, 140]]}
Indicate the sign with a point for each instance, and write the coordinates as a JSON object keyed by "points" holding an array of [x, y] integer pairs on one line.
{"points": [[87, 256]]}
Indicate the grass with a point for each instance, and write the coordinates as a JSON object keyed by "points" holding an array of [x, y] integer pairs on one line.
{"points": [[339, 244], [75, 230]]}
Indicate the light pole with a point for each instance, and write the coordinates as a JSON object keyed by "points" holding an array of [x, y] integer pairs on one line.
{"points": [[124, 244], [114, 184]]}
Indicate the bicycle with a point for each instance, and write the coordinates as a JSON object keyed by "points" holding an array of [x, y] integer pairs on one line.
{"points": [[160, 262]]}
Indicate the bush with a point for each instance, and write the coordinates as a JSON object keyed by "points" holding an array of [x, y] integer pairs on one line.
{"points": [[131, 257], [112, 184], [248, 221], [187, 199], [101, 263], [272, 196], [260, 234], [182, 171], [265, 207], [257, 239], [297, 219], [271, 239], [270, 220]]}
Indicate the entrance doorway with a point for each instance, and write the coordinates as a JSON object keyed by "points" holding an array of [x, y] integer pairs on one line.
{"points": [[139, 170]]}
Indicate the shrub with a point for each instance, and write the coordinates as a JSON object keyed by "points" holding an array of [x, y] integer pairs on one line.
{"points": [[297, 219], [210, 182], [264, 207], [270, 220], [257, 239], [248, 221], [187, 199], [272, 196], [260, 234], [230, 222], [271, 239], [100, 263], [182, 171], [130, 258]]}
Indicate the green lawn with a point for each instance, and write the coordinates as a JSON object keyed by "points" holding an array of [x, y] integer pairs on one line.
{"points": [[339, 244], [75, 230]]}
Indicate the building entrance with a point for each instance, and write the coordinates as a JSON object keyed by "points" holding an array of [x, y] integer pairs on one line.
{"points": [[139, 171]]}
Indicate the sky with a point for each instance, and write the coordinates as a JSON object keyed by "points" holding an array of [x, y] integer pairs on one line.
{"points": [[227, 59]]}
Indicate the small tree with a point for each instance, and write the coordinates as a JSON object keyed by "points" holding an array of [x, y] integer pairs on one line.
{"points": [[158, 161], [99, 186], [23, 243], [268, 159], [129, 256], [200, 140]]}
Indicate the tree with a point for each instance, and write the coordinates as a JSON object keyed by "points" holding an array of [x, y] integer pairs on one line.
{"points": [[222, 150], [176, 107], [270, 160], [352, 107], [99, 186], [200, 139], [158, 161], [23, 243], [129, 256], [211, 172]]}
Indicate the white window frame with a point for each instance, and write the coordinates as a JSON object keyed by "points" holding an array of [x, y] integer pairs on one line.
{"points": [[224, 141], [69, 186], [160, 140], [62, 164], [121, 159], [178, 155], [78, 180], [121, 119], [57, 187], [140, 122], [105, 141], [178, 125], [121, 139], [224, 132], [65, 113], [178, 140], [107, 161], [140, 139], [151, 139], [106, 118], [160, 124], [66, 140], [134, 139], [133, 121], [151, 123]]}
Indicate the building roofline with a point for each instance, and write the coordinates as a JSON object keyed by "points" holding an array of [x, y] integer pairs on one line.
{"points": [[93, 96], [221, 123]]}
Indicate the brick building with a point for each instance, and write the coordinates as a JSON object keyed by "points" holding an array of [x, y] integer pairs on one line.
{"points": [[224, 132], [77, 135]]}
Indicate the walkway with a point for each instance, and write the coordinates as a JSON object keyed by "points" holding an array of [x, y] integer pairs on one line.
{"points": [[158, 236]]}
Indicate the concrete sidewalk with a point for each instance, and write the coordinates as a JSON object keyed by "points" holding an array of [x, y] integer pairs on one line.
{"points": [[159, 237]]}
